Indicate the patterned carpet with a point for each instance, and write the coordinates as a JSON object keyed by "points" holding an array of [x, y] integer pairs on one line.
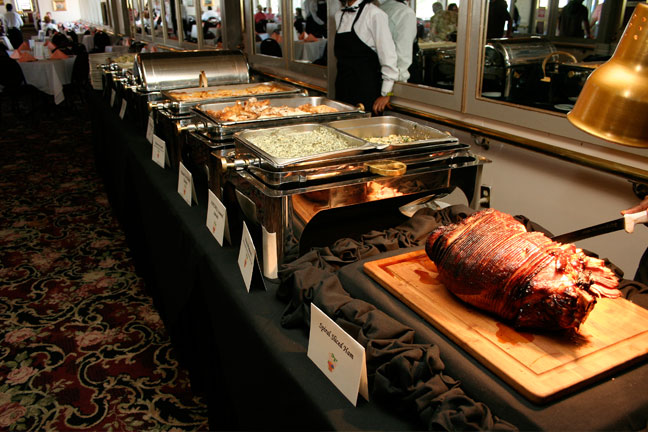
{"points": [[81, 345]]}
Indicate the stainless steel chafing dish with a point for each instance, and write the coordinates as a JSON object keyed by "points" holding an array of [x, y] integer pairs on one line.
{"points": [[378, 127], [205, 135], [172, 113], [157, 72], [513, 67], [173, 103], [223, 129], [111, 68], [287, 201], [568, 80], [115, 78]]}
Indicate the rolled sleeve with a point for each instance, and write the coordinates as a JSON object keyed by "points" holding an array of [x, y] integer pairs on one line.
{"points": [[386, 51]]}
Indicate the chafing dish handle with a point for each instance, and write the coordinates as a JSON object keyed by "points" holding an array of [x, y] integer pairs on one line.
{"points": [[226, 164], [192, 127], [387, 168], [159, 105]]}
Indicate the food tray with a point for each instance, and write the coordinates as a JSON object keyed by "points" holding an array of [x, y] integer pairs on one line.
{"points": [[184, 106], [217, 127], [248, 137], [374, 127]]}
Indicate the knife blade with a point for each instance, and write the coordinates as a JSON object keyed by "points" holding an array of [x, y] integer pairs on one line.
{"points": [[592, 231], [627, 222]]}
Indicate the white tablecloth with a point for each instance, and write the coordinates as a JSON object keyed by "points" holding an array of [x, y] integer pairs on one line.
{"points": [[270, 27], [309, 51], [88, 41], [119, 49], [7, 43], [49, 76]]}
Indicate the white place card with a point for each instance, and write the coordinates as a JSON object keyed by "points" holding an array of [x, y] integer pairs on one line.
{"points": [[217, 218], [340, 357], [159, 153], [150, 129], [122, 111], [185, 184], [247, 257], [112, 97]]}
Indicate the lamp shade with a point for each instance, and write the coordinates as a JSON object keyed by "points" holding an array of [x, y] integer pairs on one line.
{"points": [[613, 104]]}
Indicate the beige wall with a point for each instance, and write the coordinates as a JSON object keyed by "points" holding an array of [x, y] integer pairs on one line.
{"points": [[71, 14]]}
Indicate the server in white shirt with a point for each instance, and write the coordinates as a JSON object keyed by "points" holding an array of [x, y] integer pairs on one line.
{"points": [[402, 25], [366, 55], [12, 22]]}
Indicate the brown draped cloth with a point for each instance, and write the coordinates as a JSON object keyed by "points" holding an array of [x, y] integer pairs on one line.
{"points": [[403, 375]]}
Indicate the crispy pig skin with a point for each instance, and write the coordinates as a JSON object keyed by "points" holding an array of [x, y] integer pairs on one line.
{"points": [[490, 261]]}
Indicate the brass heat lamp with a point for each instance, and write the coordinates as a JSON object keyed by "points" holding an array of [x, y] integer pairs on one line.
{"points": [[613, 104]]}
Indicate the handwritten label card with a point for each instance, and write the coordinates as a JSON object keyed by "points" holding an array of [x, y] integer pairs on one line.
{"points": [[113, 93], [340, 357], [122, 111], [159, 155], [217, 218], [185, 185], [150, 129], [248, 261]]}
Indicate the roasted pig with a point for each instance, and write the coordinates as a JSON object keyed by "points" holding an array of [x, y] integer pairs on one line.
{"points": [[491, 261]]}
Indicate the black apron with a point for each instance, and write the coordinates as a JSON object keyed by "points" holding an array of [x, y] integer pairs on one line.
{"points": [[359, 79]]}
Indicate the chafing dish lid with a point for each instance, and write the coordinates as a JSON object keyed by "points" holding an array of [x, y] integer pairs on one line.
{"points": [[230, 91], [171, 70], [290, 145], [392, 131], [519, 51]]}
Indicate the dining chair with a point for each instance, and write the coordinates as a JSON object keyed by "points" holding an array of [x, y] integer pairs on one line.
{"points": [[79, 86], [14, 86]]}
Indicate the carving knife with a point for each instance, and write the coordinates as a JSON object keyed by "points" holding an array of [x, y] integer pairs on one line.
{"points": [[627, 223]]}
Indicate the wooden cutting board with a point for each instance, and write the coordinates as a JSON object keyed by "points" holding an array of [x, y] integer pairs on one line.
{"points": [[540, 366]]}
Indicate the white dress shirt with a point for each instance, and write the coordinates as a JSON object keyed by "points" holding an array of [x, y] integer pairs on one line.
{"points": [[208, 14], [402, 25], [12, 19], [309, 7], [372, 28]]}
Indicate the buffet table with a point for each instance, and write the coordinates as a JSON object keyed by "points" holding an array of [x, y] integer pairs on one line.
{"points": [[254, 372]]}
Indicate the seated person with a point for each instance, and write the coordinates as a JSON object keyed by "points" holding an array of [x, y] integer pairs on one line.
{"points": [[62, 44], [73, 36], [276, 35], [209, 14], [443, 24], [269, 15], [300, 22], [49, 25], [101, 41], [60, 40], [259, 16], [260, 30]]}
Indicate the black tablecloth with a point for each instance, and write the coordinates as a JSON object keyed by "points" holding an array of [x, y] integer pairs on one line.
{"points": [[255, 372]]}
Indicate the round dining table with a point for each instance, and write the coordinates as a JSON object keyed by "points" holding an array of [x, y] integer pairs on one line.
{"points": [[309, 51], [49, 76]]}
